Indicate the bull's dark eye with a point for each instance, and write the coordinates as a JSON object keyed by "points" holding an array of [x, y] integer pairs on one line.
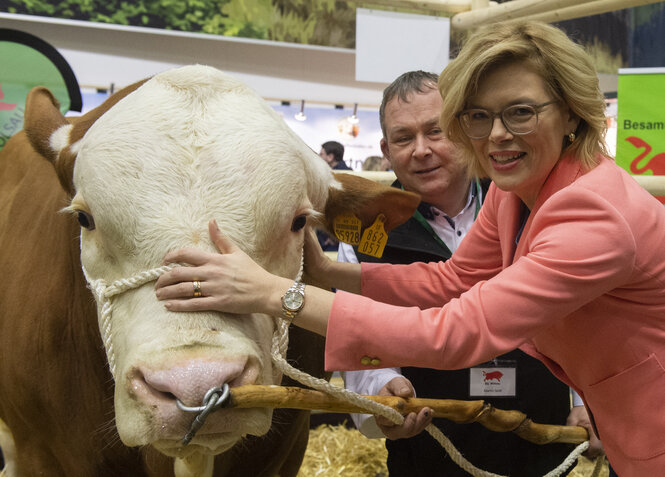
{"points": [[298, 223], [85, 220]]}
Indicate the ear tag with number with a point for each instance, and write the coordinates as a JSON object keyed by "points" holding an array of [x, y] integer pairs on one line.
{"points": [[347, 228], [374, 238]]}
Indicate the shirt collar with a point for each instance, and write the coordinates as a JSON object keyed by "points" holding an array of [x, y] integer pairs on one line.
{"points": [[432, 211]]}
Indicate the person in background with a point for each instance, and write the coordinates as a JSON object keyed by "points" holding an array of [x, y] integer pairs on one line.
{"points": [[427, 163], [565, 260], [333, 153], [376, 163]]}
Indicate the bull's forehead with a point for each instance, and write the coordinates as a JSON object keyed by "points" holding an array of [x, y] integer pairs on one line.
{"points": [[190, 145]]}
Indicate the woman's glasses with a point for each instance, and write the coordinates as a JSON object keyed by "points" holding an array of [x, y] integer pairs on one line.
{"points": [[519, 119]]}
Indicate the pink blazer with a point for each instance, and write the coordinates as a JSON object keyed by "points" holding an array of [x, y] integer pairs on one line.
{"points": [[584, 292]]}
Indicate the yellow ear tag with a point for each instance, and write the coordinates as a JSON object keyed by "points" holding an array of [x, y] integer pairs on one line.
{"points": [[347, 228], [374, 238]]}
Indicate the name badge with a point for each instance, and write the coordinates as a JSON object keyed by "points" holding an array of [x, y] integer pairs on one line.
{"points": [[493, 379]]}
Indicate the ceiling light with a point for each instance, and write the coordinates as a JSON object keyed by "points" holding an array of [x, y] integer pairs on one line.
{"points": [[300, 115], [353, 119]]}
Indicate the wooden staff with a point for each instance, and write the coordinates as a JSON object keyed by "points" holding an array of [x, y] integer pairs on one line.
{"points": [[462, 412]]}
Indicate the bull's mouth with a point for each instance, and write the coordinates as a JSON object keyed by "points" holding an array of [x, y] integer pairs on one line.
{"points": [[209, 444], [164, 425]]}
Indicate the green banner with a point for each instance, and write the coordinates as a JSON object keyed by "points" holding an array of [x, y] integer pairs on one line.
{"points": [[26, 62], [641, 121]]}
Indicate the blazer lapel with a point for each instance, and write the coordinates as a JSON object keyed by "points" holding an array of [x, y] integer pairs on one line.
{"points": [[564, 173]]}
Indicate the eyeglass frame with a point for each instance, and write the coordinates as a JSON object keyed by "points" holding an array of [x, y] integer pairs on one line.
{"points": [[537, 107]]}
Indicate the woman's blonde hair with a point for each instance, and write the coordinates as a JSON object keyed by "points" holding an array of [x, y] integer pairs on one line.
{"points": [[565, 67]]}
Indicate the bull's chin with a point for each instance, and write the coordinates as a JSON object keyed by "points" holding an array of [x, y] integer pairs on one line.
{"points": [[207, 445]]}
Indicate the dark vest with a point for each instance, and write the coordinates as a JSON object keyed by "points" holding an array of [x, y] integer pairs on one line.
{"points": [[541, 396]]}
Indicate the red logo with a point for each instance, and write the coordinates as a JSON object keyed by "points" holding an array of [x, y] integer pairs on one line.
{"points": [[5, 106], [655, 164], [493, 375]]}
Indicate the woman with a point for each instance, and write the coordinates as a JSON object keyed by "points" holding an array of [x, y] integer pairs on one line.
{"points": [[565, 261]]}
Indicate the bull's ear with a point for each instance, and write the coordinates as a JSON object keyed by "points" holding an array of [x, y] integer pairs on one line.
{"points": [[48, 132], [367, 199], [42, 118], [52, 135]]}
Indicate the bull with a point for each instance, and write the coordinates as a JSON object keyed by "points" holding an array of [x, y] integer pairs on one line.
{"points": [[89, 382]]}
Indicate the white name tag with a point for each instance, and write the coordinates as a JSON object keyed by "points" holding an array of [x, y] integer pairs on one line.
{"points": [[494, 381]]}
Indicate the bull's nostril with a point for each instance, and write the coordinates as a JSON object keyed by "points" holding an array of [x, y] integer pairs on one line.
{"points": [[169, 396], [189, 381], [143, 390]]}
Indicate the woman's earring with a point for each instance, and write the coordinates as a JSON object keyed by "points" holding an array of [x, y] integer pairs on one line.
{"points": [[571, 137]]}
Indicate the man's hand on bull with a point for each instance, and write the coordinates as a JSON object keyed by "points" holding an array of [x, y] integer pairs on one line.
{"points": [[325, 273], [580, 417], [413, 423], [230, 281], [319, 269]]}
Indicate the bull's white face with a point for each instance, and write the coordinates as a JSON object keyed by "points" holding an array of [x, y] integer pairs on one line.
{"points": [[190, 145]]}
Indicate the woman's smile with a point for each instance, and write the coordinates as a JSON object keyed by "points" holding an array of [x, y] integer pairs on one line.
{"points": [[505, 158]]}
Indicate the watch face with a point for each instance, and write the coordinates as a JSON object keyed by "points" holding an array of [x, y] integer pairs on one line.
{"points": [[293, 300]]}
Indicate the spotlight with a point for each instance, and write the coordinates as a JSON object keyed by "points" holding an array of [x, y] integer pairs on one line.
{"points": [[353, 119], [300, 115]]}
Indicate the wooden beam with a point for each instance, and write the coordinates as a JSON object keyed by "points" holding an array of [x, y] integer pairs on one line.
{"points": [[479, 4], [442, 6], [655, 185], [592, 8], [508, 11]]}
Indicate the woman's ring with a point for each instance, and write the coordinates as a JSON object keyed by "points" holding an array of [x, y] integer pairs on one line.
{"points": [[197, 288]]}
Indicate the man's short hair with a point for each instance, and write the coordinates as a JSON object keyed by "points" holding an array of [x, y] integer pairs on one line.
{"points": [[334, 148], [405, 85]]}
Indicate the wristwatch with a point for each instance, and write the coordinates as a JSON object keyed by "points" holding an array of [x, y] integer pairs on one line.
{"points": [[293, 300]]}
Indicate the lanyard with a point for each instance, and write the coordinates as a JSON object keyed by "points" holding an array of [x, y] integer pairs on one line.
{"points": [[423, 221]]}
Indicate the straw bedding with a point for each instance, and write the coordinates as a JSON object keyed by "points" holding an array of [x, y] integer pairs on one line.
{"points": [[340, 451]]}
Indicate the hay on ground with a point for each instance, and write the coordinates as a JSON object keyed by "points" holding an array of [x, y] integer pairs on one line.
{"points": [[340, 451]]}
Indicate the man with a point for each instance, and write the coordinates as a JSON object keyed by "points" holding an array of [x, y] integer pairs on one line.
{"points": [[333, 153], [425, 162]]}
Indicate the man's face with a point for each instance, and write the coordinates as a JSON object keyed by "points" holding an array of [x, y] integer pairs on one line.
{"points": [[424, 161], [326, 157]]}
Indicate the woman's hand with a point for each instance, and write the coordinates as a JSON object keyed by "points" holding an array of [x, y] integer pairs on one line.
{"points": [[229, 281]]}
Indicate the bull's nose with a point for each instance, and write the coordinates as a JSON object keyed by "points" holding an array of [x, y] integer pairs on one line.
{"points": [[189, 381]]}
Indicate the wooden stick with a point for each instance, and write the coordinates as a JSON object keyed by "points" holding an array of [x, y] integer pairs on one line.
{"points": [[462, 412]]}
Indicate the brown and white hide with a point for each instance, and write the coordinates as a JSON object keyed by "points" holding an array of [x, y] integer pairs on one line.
{"points": [[143, 174]]}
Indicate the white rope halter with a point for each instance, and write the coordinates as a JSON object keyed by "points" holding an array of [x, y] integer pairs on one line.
{"points": [[280, 342], [104, 293]]}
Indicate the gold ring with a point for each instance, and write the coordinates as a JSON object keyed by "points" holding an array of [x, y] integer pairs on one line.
{"points": [[197, 288]]}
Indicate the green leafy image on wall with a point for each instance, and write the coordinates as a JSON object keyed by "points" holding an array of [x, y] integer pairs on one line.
{"points": [[313, 22]]}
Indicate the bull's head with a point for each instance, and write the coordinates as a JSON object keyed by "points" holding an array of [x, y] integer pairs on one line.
{"points": [[147, 170]]}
